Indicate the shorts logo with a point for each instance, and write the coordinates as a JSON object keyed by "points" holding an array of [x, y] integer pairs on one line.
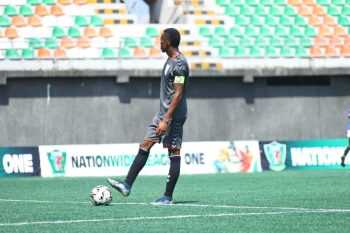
{"points": [[276, 155], [179, 79], [57, 161]]}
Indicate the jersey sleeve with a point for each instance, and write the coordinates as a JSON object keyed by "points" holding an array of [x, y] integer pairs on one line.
{"points": [[179, 74]]}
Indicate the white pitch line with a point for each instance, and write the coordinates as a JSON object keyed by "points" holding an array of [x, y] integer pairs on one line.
{"points": [[183, 205], [160, 217]]}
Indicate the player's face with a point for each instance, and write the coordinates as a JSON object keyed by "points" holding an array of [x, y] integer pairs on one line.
{"points": [[163, 43]]}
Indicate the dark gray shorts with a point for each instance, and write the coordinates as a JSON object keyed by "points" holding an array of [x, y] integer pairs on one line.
{"points": [[172, 139]]}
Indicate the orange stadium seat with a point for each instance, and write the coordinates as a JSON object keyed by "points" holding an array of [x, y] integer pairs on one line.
{"points": [[11, 33], [80, 2], [18, 21], [60, 53], [34, 21], [154, 52], [331, 51], [64, 2], [316, 51], [139, 52], [345, 51], [56, 10], [105, 32], [90, 32], [67, 42], [83, 42], [44, 53], [320, 41], [41, 10], [339, 31]]}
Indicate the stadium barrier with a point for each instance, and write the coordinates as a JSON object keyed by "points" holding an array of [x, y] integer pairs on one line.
{"points": [[197, 158]]}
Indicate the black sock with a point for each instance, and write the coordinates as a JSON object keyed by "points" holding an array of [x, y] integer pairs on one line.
{"points": [[346, 151], [136, 166], [173, 175]]}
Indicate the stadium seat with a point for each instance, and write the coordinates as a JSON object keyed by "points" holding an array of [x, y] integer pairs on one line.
{"points": [[96, 21], [310, 32], [224, 52], [51, 43], [58, 32], [67, 42], [74, 32], [33, 2], [139, 53], [34, 21], [80, 2], [286, 52], [26, 10], [11, 33], [346, 10], [265, 31], [28, 53], [299, 21], [130, 42], [35, 43], [12, 54], [240, 51], [124, 53], [49, 2], [60, 53], [108, 53], [345, 51], [44, 53], [316, 51], [56, 10], [81, 21], [271, 52], [83, 42], [105, 32], [306, 42], [204, 31], [214, 42], [220, 31], [89, 32], [231, 11], [10, 10], [146, 42], [18, 21], [301, 52], [151, 32], [4, 21], [230, 42], [64, 2], [155, 52]]}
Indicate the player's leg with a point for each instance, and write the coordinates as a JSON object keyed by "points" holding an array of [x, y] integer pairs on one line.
{"points": [[124, 187], [347, 149], [172, 141]]}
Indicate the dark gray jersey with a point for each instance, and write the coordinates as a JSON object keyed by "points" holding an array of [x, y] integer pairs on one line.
{"points": [[174, 71]]}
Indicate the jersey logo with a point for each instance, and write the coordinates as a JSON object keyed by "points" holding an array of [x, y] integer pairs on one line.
{"points": [[179, 79]]}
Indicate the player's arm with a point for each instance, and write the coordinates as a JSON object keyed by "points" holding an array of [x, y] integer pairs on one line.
{"points": [[178, 93]]}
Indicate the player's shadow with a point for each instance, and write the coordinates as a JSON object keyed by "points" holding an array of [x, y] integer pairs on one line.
{"points": [[186, 202]]}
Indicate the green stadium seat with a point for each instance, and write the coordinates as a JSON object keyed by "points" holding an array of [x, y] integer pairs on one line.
{"points": [[124, 53], [220, 31], [342, 20], [306, 42], [130, 42], [58, 32], [346, 10], [151, 32], [281, 31], [323, 2], [275, 41], [96, 21], [255, 52], [260, 41], [285, 20], [231, 11], [12, 54], [236, 2], [240, 51], [10, 10], [251, 2], [224, 52], [332, 10], [337, 2], [146, 42], [260, 10], [241, 20], [310, 32], [301, 52], [26, 11], [4, 21], [275, 10], [35, 43], [214, 42], [270, 20], [290, 11], [51, 43], [236, 31], [81, 21], [204, 31], [245, 10], [295, 31], [255, 20], [246, 41], [33, 2], [49, 2], [286, 52], [300, 21], [230, 42], [222, 2], [74, 32], [265, 31], [108, 53], [291, 41], [265, 2], [28, 53], [251, 31], [279, 2], [271, 52]]}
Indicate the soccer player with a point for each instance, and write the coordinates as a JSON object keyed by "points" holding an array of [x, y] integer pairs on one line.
{"points": [[348, 147], [167, 124]]}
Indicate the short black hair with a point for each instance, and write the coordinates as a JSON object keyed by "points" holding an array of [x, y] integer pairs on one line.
{"points": [[174, 36]]}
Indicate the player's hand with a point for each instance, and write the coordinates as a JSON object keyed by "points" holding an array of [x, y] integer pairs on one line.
{"points": [[162, 127]]}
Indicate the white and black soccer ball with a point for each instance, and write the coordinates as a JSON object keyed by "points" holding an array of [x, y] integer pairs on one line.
{"points": [[101, 195]]}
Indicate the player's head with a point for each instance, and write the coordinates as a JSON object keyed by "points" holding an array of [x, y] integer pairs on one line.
{"points": [[169, 38]]}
